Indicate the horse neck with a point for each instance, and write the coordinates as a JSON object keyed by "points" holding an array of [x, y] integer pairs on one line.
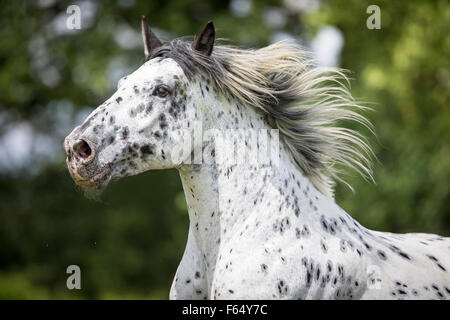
{"points": [[222, 199]]}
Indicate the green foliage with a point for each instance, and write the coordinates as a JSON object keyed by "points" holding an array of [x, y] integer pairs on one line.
{"points": [[404, 69], [129, 243]]}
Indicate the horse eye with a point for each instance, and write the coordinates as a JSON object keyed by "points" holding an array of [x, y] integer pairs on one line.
{"points": [[162, 91]]}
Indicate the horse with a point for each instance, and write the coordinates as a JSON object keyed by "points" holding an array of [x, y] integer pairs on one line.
{"points": [[255, 136]]}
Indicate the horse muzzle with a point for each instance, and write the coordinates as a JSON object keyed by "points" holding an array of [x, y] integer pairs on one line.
{"points": [[82, 162]]}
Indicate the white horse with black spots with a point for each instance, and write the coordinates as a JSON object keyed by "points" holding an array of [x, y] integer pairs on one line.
{"points": [[254, 137]]}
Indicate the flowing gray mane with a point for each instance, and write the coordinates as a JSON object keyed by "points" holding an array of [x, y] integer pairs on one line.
{"points": [[303, 101]]}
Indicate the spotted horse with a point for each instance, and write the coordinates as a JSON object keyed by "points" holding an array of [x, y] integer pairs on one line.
{"points": [[265, 229]]}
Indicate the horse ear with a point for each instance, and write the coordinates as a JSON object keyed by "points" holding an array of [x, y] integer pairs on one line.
{"points": [[205, 42], [150, 40]]}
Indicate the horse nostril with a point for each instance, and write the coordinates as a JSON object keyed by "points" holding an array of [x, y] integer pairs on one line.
{"points": [[82, 149]]}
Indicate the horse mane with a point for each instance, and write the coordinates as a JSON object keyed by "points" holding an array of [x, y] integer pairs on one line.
{"points": [[304, 101]]}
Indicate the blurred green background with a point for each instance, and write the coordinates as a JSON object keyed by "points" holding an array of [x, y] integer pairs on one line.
{"points": [[128, 245]]}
